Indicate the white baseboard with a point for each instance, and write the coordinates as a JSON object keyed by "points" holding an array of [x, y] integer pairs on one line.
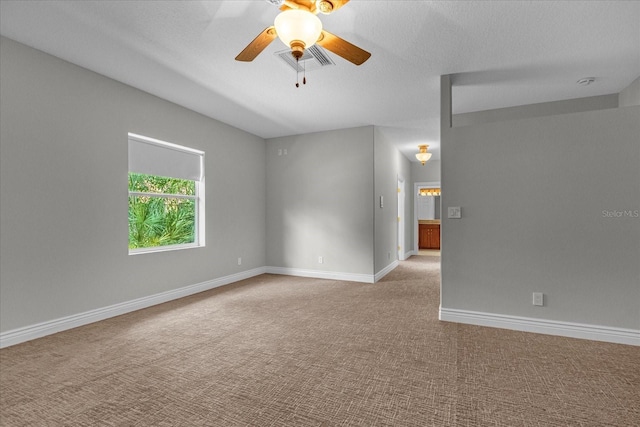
{"points": [[318, 274], [408, 255], [333, 275], [17, 336], [388, 269], [541, 326]]}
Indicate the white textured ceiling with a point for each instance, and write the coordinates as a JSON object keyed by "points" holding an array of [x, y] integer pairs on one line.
{"points": [[501, 53]]}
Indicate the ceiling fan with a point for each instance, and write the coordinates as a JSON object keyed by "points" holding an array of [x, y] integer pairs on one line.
{"points": [[299, 28]]}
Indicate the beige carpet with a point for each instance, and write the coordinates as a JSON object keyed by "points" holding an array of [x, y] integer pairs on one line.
{"points": [[287, 351]]}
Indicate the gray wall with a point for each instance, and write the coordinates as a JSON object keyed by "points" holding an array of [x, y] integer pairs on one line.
{"points": [[537, 110], [630, 95], [404, 170], [430, 172], [389, 164], [63, 199], [323, 200], [543, 227], [319, 198]]}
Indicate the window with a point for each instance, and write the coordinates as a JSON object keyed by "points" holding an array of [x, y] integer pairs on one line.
{"points": [[166, 196]]}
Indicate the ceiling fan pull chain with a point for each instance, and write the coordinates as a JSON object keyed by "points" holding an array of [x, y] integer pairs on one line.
{"points": [[297, 73], [304, 71]]}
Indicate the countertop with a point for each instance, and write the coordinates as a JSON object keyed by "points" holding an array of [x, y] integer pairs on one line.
{"points": [[428, 221]]}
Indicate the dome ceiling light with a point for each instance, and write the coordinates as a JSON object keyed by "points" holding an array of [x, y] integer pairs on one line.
{"points": [[423, 156]]}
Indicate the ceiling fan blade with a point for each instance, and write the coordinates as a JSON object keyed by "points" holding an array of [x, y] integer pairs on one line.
{"points": [[257, 45], [343, 48]]}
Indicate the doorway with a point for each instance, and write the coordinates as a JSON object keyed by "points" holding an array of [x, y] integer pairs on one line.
{"points": [[427, 215]]}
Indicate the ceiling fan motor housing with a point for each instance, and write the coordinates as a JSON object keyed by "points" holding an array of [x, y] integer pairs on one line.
{"points": [[297, 48], [324, 6]]}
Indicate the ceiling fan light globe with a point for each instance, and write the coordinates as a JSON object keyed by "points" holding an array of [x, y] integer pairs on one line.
{"points": [[296, 25], [423, 157]]}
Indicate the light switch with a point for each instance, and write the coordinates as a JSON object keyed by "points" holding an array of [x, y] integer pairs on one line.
{"points": [[454, 212]]}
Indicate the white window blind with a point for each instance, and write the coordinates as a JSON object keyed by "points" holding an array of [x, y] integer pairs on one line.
{"points": [[153, 157]]}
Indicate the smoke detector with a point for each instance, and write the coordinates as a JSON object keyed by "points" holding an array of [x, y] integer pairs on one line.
{"points": [[586, 81]]}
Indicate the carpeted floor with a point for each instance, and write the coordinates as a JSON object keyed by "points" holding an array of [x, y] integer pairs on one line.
{"points": [[287, 351]]}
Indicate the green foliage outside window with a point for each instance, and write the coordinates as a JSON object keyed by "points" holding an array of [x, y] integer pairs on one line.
{"points": [[161, 220]]}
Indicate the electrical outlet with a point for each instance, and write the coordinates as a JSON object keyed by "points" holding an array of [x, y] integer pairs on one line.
{"points": [[538, 298], [454, 212], [388, 255], [239, 261], [320, 260]]}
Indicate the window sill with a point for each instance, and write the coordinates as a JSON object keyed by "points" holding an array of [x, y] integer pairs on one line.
{"points": [[140, 251]]}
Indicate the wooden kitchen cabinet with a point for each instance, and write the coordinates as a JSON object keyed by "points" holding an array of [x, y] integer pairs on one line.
{"points": [[429, 236]]}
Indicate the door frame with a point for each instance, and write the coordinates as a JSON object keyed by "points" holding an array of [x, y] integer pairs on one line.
{"points": [[401, 219]]}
